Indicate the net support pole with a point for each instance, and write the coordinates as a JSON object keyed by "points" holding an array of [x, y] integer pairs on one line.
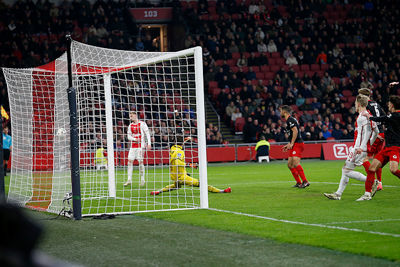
{"points": [[74, 131], [201, 126], [110, 138]]}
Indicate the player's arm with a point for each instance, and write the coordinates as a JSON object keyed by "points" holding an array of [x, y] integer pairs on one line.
{"points": [[375, 132], [146, 131], [379, 119], [362, 137], [130, 135]]}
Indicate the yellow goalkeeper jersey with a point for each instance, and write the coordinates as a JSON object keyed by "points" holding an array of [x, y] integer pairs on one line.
{"points": [[177, 161]]}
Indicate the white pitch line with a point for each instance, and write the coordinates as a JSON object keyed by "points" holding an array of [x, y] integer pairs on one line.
{"points": [[308, 224], [284, 182], [366, 221]]}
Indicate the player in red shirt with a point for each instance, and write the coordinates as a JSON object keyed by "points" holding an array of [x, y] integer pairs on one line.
{"points": [[138, 134], [376, 110], [295, 147], [391, 151]]}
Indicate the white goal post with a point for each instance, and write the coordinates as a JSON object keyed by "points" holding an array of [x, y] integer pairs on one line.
{"points": [[165, 90]]}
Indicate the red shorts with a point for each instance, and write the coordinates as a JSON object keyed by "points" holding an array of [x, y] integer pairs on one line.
{"points": [[296, 150], [376, 146], [387, 154]]}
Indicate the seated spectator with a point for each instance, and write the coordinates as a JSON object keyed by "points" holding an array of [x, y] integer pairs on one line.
{"points": [[262, 148], [322, 58], [325, 132], [242, 61], [300, 100], [291, 60], [272, 47], [230, 109], [346, 135], [236, 114], [251, 75], [337, 132], [287, 52], [253, 60], [262, 47]]}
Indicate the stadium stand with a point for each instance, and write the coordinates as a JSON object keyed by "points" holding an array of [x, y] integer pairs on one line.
{"points": [[332, 50]]}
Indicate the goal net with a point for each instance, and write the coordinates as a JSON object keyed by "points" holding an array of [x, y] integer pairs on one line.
{"points": [[165, 90]]}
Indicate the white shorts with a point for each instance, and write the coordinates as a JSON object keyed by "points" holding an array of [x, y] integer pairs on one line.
{"points": [[353, 160], [135, 154]]}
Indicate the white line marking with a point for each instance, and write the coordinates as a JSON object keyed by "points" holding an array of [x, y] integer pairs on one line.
{"points": [[308, 224], [312, 182], [367, 221]]}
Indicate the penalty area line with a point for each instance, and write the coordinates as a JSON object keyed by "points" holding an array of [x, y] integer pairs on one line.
{"points": [[307, 224]]}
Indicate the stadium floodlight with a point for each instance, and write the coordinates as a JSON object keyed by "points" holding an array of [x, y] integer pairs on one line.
{"points": [[166, 91]]}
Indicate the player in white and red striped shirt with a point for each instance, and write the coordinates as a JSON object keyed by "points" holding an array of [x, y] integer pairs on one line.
{"points": [[139, 135], [365, 132]]}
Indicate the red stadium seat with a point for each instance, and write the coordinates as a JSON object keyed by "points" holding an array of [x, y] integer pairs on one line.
{"points": [[275, 55], [260, 75], [315, 67], [269, 75], [236, 55], [304, 67], [324, 66], [265, 68], [213, 84], [274, 68], [347, 93]]}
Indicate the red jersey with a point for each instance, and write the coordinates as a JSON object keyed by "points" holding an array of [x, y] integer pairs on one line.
{"points": [[138, 134]]}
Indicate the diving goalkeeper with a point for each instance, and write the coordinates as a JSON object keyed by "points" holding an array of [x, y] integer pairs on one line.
{"points": [[177, 168]]}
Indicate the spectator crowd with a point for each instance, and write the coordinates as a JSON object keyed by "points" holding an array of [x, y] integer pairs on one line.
{"points": [[312, 55]]}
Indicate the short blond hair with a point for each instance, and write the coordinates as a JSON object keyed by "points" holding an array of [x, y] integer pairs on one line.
{"points": [[365, 91], [362, 100]]}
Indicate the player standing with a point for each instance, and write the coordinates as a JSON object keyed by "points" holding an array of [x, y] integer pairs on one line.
{"points": [[391, 152], [139, 135], [177, 169], [358, 152], [376, 110], [295, 147]]}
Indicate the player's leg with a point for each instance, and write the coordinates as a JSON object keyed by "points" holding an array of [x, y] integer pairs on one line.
{"points": [[168, 188], [371, 184], [141, 172], [294, 172], [344, 180], [300, 171], [131, 158], [195, 182], [394, 168]]}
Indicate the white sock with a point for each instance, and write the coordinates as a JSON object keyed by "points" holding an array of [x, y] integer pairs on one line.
{"points": [[343, 183], [357, 175], [130, 170], [367, 193], [141, 170]]}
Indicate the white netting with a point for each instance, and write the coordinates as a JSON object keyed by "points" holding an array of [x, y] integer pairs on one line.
{"points": [[160, 87]]}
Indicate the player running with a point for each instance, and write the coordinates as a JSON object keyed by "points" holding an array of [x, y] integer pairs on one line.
{"points": [[139, 135], [295, 147], [391, 152], [372, 149], [177, 170], [357, 153]]}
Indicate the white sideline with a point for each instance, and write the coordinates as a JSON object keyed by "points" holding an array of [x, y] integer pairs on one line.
{"points": [[307, 224], [366, 221]]}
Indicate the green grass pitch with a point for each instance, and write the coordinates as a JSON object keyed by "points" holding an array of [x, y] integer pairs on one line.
{"points": [[262, 222]]}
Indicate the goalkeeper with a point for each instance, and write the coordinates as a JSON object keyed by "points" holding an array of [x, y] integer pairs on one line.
{"points": [[177, 168]]}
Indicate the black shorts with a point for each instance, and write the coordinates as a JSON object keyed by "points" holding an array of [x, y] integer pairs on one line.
{"points": [[6, 154]]}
